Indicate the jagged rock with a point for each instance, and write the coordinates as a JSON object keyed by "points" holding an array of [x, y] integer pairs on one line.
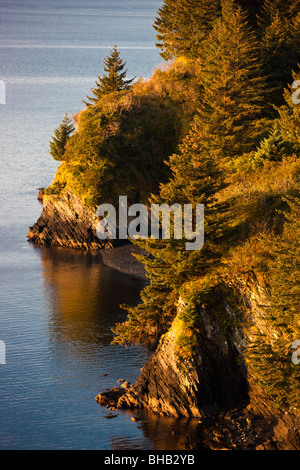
{"points": [[212, 384], [210, 381], [125, 384], [66, 221], [110, 398]]}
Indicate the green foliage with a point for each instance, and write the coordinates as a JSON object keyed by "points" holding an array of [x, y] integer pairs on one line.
{"points": [[114, 79], [269, 353], [289, 115], [55, 188], [278, 30], [195, 179], [119, 148], [242, 167], [273, 148], [60, 139], [183, 28], [232, 106], [269, 9], [182, 25]]}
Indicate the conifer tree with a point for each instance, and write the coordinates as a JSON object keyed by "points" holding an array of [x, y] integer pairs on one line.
{"points": [[271, 8], [279, 30], [233, 84], [295, 33], [252, 9], [289, 114], [182, 25], [196, 178], [224, 128], [61, 136], [114, 78], [273, 148]]}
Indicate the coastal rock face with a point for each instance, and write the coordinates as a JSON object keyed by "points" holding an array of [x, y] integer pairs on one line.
{"points": [[209, 381], [66, 221], [213, 384]]}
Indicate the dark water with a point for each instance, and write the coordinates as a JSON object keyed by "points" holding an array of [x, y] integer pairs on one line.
{"points": [[58, 306]]}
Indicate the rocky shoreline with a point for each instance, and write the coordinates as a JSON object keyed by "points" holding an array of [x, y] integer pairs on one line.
{"points": [[66, 222], [122, 258], [253, 426]]}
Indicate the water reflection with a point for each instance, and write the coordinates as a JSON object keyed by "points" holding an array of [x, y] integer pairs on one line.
{"points": [[164, 433], [84, 297], [83, 302]]}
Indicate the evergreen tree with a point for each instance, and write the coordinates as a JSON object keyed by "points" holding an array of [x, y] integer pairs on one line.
{"points": [[182, 25], [61, 136], [114, 78], [279, 30], [271, 8], [252, 9], [224, 128], [289, 114], [196, 178], [284, 137], [273, 148], [233, 84], [295, 33]]}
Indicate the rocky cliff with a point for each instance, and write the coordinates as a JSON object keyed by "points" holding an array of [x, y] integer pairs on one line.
{"points": [[66, 221], [212, 384], [212, 379]]}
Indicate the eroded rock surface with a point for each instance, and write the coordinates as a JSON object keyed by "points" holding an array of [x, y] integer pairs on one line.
{"points": [[209, 381], [65, 221]]}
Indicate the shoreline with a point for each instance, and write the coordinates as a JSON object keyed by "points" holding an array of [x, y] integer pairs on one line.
{"points": [[121, 258]]}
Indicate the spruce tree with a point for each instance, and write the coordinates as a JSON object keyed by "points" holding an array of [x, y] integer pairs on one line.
{"points": [[233, 85], [114, 78], [61, 136], [196, 178], [289, 120], [273, 148], [271, 8], [182, 25], [224, 128], [278, 31]]}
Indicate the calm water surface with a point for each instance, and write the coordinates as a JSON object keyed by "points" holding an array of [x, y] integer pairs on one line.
{"points": [[58, 306]]}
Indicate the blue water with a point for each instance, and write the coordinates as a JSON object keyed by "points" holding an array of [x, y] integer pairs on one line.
{"points": [[58, 306]]}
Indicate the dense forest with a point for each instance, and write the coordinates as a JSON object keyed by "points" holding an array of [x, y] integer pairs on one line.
{"points": [[217, 124]]}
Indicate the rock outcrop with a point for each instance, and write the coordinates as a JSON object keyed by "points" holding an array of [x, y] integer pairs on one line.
{"points": [[211, 380], [212, 384], [66, 221]]}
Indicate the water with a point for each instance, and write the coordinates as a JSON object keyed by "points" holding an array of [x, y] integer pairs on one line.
{"points": [[58, 306]]}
